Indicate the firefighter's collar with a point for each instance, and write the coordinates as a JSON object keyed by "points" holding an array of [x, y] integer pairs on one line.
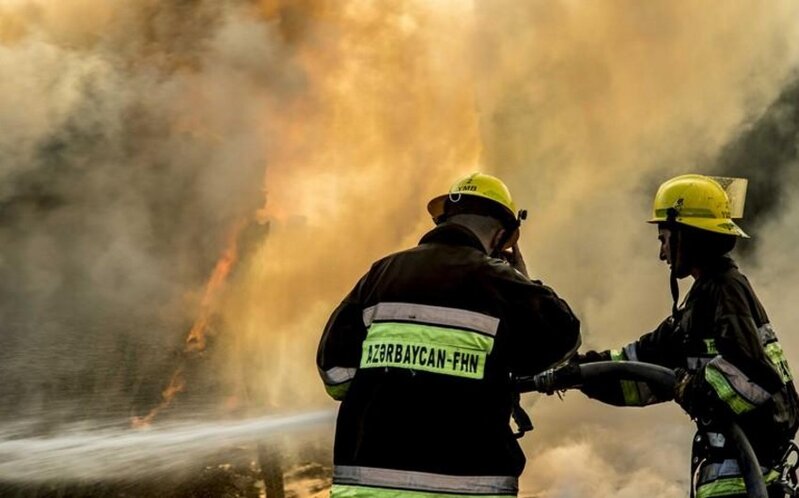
{"points": [[718, 266], [453, 234]]}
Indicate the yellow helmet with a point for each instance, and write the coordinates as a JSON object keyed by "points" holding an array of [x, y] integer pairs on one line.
{"points": [[478, 185], [701, 202]]}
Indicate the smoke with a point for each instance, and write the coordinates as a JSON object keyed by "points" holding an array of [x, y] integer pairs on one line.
{"points": [[134, 139], [587, 109], [383, 123], [578, 469], [765, 152]]}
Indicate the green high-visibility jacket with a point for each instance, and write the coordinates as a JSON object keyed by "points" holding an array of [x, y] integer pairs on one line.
{"points": [[723, 338], [421, 353]]}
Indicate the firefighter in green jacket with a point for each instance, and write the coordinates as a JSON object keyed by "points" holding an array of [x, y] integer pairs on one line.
{"points": [[719, 340]]}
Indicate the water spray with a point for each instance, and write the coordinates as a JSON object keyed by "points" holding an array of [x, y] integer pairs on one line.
{"points": [[127, 454]]}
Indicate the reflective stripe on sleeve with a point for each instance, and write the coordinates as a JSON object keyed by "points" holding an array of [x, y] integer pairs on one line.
{"points": [[338, 391], [338, 375], [617, 355], [628, 387], [433, 315], [733, 387], [727, 394], [423, 481], [774, 352], [766, 334], [739, 381], [631, 350], [635, 393], [776, 356], [337, 381]]}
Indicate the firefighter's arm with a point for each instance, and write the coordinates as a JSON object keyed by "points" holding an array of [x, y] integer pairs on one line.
{"points": [[741, 376], [548, 335], [339, 352], [656, 347]]}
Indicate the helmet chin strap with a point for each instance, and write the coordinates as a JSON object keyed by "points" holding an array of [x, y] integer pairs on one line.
{"points": [[671, 220]]}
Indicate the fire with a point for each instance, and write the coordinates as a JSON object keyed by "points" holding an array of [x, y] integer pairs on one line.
{"points": [[196, 339], [176, 385], [368, 122]]}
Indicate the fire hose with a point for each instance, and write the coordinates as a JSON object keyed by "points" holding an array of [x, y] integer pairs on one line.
{"points": [[572, 375]]}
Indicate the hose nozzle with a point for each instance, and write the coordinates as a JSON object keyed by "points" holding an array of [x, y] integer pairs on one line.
{"points": [[554, 379]]}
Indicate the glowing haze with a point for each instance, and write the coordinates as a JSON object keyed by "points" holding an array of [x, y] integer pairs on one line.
{"points": [[135, 138]]}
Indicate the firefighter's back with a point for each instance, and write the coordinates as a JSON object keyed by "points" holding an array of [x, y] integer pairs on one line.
{"points": [[432, 392]]}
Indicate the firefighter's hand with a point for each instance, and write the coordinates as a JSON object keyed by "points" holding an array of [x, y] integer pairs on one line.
{"points": [[558, 379], [516, 260], [697, 398], [682, 391], [595, 389], [591, 357]]}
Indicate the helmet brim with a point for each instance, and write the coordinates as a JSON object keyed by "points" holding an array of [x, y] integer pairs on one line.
{"points": [[724, 226], [436, 205]]}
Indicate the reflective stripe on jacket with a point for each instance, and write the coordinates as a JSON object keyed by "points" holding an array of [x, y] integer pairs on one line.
{"points": [[420, 353], [369, 481]]}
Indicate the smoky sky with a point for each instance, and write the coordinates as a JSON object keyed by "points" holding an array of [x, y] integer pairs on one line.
{"points": [[766, 153], [125, 158]]}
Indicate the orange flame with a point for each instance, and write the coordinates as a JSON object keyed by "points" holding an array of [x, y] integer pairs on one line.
{"points": [[176, 385], [196, 338], [195, 341]]}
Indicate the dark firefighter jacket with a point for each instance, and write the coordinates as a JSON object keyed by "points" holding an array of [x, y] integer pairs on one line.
{"points": [[420, 353], [736, 368]]}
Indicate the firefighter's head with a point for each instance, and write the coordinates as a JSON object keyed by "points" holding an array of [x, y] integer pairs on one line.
{"points": [[694, 215], [482, 202]]}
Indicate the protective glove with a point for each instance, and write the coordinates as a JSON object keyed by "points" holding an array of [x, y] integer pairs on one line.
{"points": [[684, 392], [595, 389], [558, 379], [591, 357]]}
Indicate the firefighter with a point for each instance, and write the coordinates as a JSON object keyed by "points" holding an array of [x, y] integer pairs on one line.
{"points": [[719, 340], [421, 354]]}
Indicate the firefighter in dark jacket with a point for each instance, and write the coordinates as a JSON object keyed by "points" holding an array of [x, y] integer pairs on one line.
{"points": [[421, 354], [720, 342]]}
